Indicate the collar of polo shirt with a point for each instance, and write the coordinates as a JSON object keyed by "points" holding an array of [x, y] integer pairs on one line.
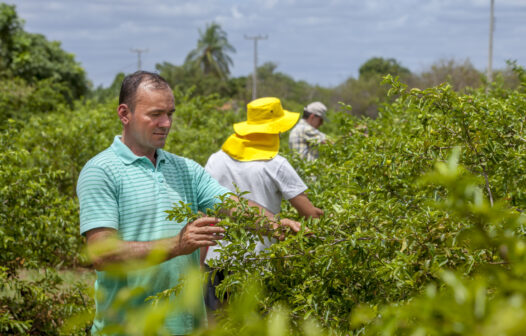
{"points": [[128, 157]]}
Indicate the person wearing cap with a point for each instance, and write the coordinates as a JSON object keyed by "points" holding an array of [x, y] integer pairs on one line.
{"points": [[249, 159], [305, 137]]}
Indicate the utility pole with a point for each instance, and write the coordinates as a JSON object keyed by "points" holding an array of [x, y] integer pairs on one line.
{"points": [[139, 52], [490, 56], [254, 74]]}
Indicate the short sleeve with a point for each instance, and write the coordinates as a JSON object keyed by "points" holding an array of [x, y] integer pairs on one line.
{"points": [[208, 189], [289, 182], [97, 195]]}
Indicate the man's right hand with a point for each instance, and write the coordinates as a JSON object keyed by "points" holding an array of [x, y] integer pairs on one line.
{"points": [[106, 248], [196, 234]]}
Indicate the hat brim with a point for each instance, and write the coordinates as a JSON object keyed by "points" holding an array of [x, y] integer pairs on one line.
{"points": [[324, 117], [277, 126], [252, 147]]}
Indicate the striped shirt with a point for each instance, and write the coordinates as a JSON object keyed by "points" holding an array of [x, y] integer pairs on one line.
{"points": [[120, 190], [305, 139]]}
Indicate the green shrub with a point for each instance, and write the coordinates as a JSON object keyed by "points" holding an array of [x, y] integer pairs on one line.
{"points": [[382, 241]]}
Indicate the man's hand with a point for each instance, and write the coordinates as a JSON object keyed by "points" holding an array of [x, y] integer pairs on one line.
{"points": [[293, 225], [106, 248], [317, 213], [304, 206], [300, 201], [199, 233]]}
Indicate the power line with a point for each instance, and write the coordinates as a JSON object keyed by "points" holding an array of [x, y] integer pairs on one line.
{"points": [[254, 74], [139, 52]]}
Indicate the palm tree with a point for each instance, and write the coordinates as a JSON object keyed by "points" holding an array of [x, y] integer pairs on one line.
{"points": [[211, 52]]}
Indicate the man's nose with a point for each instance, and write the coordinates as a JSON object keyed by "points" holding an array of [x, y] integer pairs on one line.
{"points": [[165, 121]]}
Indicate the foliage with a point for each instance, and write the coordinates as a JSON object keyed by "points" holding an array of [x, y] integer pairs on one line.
{"points": [[66, 139], [200, 125], [39, 225], [272, 83], [211, 52], [33, 58], [383, 254], [42, 158], [20, 100], [190, 77], [365, 94], [490, 303], [460, 75], [38, 230], [10, 24], [102, 95], [381, 240], [40, 306], [394, 253], [382, 66]]}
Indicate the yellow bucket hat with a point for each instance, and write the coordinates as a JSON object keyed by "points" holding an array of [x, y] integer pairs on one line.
{"points": [[266, 115], [251, 147]]}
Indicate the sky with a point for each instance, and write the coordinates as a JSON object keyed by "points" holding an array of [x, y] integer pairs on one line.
{"points": [[320, 41]]}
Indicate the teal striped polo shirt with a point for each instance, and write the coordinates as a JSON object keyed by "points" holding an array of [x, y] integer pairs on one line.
{"points": [[120, 190]]}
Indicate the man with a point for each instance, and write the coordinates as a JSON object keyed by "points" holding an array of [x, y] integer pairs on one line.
{"points": [[249, 160], [305, 136], [124, 192]]}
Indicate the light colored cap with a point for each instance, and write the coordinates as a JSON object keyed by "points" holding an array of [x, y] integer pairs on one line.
{"points": [[317, 108]]}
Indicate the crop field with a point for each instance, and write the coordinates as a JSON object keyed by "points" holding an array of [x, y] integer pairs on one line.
{"points": [[423, 231]]}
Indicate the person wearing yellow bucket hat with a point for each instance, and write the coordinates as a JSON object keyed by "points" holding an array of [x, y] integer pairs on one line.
{"points": [[249, 159]]}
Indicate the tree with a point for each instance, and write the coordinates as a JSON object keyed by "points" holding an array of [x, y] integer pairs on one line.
{"points": [[189, 75], [211, 52], [33, 58], [459, 74], [9, 25], [365, 94], [102, 94], [382, 66]]}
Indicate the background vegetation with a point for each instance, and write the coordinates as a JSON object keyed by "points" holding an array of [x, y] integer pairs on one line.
{"points": [[423, 191]]}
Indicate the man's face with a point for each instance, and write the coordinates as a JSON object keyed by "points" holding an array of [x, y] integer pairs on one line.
{"points": [[315, 121], [149, 124]]}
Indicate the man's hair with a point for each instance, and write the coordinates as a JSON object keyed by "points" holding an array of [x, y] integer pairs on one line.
{"points": [[306, 114], [131, 83]]}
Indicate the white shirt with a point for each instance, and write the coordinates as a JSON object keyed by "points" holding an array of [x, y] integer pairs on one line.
{"points": [[267, 181]]}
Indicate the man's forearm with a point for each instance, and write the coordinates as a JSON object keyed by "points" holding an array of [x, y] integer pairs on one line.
{"points": [[106, 252], [106, 248]]}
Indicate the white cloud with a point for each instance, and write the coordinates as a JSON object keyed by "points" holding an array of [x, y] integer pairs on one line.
{"points": [[188, 9], [236, 14], [345, 32]]}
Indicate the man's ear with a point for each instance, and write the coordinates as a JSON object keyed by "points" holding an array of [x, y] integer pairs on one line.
{"points": [[124, 113]]}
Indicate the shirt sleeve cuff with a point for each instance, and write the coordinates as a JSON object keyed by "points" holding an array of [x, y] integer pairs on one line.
{"points": [[85, 227]]}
